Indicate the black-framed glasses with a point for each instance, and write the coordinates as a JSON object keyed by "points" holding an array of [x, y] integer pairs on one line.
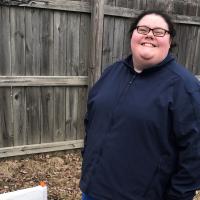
{"points": [[157, 32]]}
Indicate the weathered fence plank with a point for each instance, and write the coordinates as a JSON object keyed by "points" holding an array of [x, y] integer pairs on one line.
{"points": [[119, 34], [6, 129], [40, 148], [18, 32], [127, 38], [60, 26], [191, 38], [28, 81], [108, 41], [84, 62], [73, 59], [108, 37], [5, 54], [32, 39], [17, 18], [46, 69], [5, 68], [19, 116], [96, 42], [196, 68]]}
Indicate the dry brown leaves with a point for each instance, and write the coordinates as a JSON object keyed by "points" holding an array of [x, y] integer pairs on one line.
{"points": [[60, 170]]}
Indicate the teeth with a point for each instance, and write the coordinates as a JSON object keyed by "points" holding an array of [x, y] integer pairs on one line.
{"points": [[148, 45]]}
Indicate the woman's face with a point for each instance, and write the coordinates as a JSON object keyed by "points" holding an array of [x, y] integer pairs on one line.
{"points": [[148, 50]]}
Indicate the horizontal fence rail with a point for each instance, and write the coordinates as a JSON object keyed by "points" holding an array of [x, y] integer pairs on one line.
{"points": [[85, 7], [6, 81], [40, 148]]}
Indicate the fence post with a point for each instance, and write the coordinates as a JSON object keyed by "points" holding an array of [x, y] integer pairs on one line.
{"points": [[97, 18]]}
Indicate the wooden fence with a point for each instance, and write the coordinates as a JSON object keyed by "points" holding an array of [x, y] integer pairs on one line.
{"points": [[51, 50]]}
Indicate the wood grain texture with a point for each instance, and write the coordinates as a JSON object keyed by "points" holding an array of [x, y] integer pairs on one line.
{"points": [[108, 41], [46, 69], [6, 128], [6, 81], [97, 18], [119, 35], [108, 37], [5, 46], [60, 37], [73, 47], [40, 148], [18, 67]]}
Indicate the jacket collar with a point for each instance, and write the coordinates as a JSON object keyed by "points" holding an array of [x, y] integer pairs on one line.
{"points": [[129, 63]]}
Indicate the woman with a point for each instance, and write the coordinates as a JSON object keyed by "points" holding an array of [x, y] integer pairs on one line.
{"points": [[143, 122]]}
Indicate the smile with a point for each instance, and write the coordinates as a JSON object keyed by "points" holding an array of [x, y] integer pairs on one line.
{"points": [[148, 44]]}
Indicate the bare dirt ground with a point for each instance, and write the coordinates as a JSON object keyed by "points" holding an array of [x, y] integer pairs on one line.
{"points": [[60, 170]]}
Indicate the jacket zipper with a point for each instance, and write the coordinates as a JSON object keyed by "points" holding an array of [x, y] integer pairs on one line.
{"points": [[124, 92]]}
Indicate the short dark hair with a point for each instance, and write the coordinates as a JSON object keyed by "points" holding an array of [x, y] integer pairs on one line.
{"points": [[161, 13]]}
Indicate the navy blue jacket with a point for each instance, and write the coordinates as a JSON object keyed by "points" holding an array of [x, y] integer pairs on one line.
{"points": [[143, 134]]}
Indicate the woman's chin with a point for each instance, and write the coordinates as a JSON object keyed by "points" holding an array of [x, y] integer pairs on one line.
{"points": [[147, 56]]}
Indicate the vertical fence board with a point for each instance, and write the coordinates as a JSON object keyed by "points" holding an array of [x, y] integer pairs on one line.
{"points": [[127, 39], [60, 26], [32, 57], [33, 119], [196, 68], [33, 115], [108, 38], [84, 62], [183, 34], [85, 41], [192, 38], [46, 69], [5, 69], [108, 41], [19, 117], [17, 40], [6, 136], [130, 3], [118, 39], [97, 19], [73, 67], [17, 21], [119, 32], [47, 134], [5, 54]]}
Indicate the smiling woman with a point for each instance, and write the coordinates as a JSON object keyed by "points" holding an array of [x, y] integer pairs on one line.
{"points": [[143, 122], [150, 42]]}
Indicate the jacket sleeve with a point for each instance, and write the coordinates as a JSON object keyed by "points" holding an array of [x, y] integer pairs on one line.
{"points": [[92, 91], [186, 125]]}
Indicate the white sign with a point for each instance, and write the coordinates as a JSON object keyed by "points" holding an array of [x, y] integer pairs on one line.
{"points": [[34, 193]]}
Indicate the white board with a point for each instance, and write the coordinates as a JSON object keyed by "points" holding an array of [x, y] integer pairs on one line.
{"points": [[34, 193]]}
